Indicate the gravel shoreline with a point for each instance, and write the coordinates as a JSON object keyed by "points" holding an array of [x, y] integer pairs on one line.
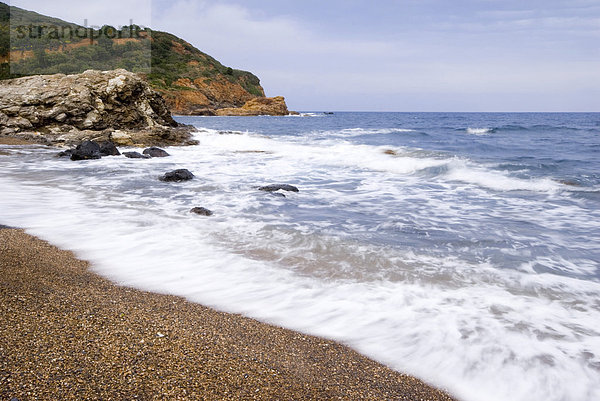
{"points": [[68, 334]]}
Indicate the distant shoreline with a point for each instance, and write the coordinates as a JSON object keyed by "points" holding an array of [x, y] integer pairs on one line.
{"points": [[70, 334]]}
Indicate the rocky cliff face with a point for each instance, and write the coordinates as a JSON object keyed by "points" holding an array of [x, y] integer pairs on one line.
{"points": [[203, 96], [260, 106], [111, 105]]}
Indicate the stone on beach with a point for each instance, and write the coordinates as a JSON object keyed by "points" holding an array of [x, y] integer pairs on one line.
{"points": [[177, 175], [135, 155], [277, 187], [109, 149], [155, 152], [86, 150], [201, 211]]}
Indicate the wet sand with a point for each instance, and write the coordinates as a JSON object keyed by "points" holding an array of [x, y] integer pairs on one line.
{"points": [[68, 334]]}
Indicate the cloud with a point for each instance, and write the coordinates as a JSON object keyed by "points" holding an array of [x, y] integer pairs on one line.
{"points": [[432, 49]]}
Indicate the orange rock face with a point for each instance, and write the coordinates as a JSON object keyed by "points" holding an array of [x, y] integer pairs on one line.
{"points": [[205, 96], [260, 106]]}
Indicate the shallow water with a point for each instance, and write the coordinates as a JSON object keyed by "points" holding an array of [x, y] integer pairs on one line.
{"points": [[461, 248]]}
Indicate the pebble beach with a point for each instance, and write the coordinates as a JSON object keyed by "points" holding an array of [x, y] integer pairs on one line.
{"points": [[66, 333]]}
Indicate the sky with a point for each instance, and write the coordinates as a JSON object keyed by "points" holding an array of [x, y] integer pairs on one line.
{"points": [[385, 55]]}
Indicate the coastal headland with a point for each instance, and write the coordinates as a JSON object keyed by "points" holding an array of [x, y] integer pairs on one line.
{"points": [[66, 333]]}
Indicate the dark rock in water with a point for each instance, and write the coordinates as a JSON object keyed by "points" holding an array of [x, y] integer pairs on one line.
{"points": [[135, 155], [201, 211], [109, 149], [65, 153], [278, 194], [177, 175], [277, 187], [86, 150], [3, 227], [155, 152]]}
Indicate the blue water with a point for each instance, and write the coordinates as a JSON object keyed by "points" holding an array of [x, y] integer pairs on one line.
{"points": [[558, 152], [463, 248]]}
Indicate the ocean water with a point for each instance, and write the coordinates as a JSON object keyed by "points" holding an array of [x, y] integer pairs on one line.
{"points": [[463, 248]]}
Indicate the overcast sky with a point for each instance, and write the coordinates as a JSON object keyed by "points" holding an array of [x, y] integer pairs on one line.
{"points": [[386, 55]]}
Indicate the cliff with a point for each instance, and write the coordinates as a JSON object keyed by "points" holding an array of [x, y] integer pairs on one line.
{"points": [[66, 109], [191, 82]]}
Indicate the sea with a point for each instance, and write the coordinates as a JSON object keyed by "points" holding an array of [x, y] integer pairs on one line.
{"points": [[461, 248]]}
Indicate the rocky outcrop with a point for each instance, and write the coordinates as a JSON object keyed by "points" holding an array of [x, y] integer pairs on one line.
{"points": [[260, 106], [116, 106]]}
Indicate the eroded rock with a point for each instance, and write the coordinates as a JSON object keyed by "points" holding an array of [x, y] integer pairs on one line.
{"points": [[67, 109]]}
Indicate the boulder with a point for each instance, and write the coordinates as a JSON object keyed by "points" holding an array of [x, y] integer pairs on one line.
{"points": [[86, 150], [277, 187], [135, 155], [177, 175], [201, 211], [109, 149], [155, 152]]}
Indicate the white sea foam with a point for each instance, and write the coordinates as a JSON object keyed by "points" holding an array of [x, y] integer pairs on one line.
{"points": [[479, 131], [462, 171], [483, 333], [353, 132]]}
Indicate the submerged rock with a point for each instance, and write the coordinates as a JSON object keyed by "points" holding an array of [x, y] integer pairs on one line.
{"points": [[135, 155], [201, 211], [177, 175], [86, 150], [65, 153], [277, 187], [109, 149], [155, 152]]}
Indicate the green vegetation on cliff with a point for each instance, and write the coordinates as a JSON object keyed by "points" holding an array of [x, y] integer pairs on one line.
{"points": [[190, 80]]}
